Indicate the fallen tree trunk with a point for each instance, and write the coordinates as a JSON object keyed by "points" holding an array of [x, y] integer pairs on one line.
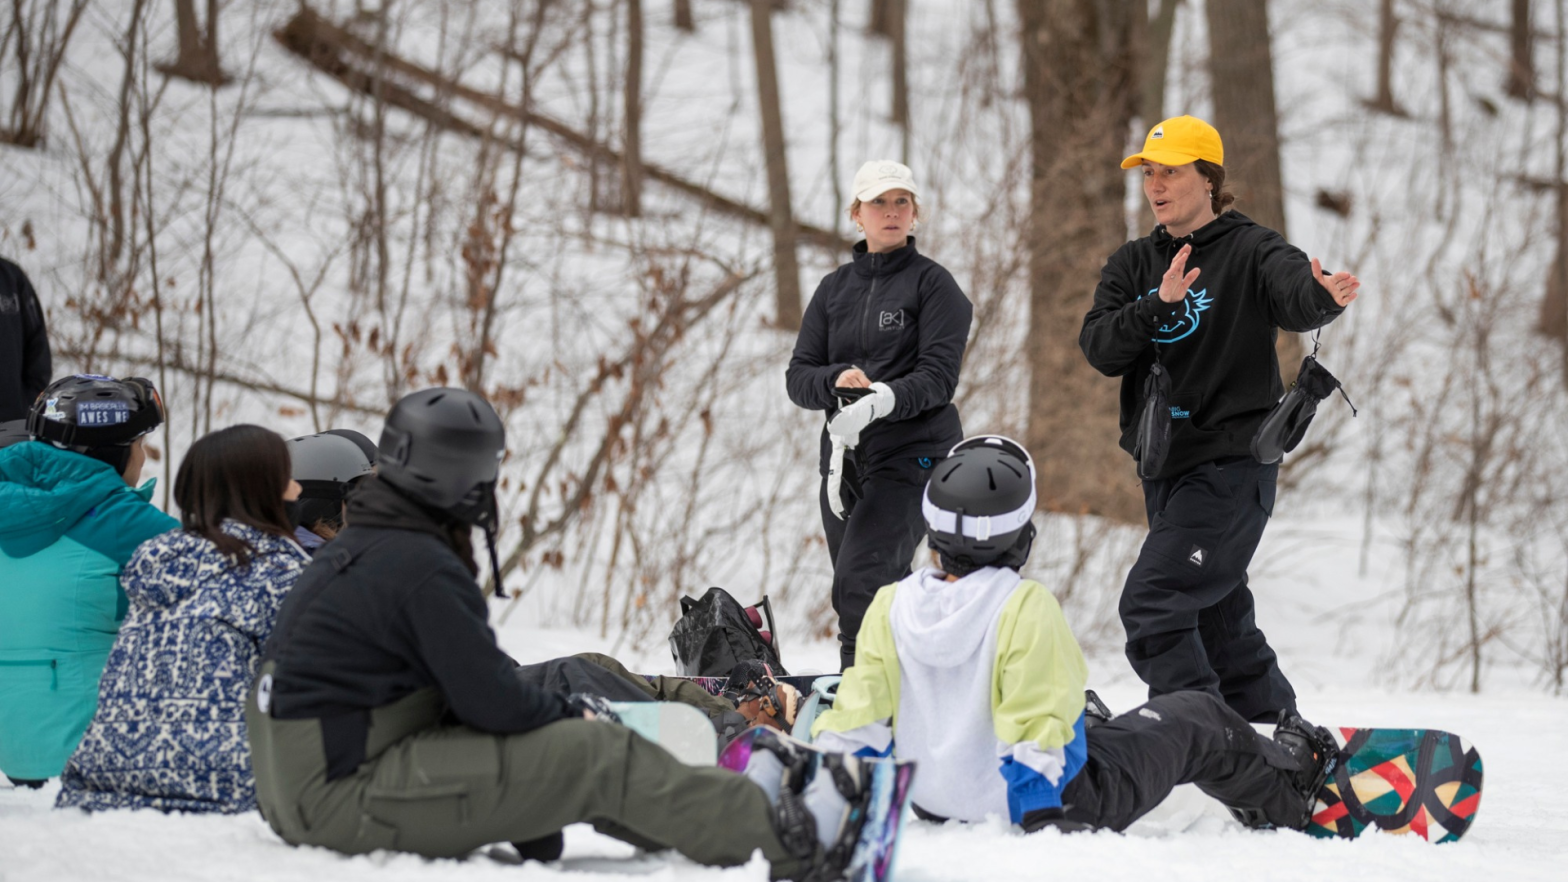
{"points": [[353, 62]]}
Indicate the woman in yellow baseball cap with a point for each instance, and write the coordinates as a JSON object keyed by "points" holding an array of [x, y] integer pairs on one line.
{"points": [[879, 350], [1187, 317]]}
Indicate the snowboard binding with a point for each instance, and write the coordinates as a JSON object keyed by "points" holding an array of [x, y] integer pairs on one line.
{"points": [[760, 697], [1317, 755]]}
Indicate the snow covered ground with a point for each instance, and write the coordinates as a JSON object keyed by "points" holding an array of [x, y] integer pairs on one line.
{"points": [[1336, 660]]}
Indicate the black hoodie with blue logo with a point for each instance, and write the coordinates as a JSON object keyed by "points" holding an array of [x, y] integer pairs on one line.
{"points": [[1217, 343]]}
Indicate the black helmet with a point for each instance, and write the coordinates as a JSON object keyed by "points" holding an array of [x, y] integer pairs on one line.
{"points": [[326, 466], [978, 505], [443, 447], [97, 416]]}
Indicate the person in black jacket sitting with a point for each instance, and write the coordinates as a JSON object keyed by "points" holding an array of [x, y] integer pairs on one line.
{"points": [[879, 349], [1186, 605], [384, 714]]}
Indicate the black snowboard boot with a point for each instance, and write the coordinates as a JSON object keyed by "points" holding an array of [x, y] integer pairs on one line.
{"points": [[1317, 751], [544, 849], [1317, 754]]}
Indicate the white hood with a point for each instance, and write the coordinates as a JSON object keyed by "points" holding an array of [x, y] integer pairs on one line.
{"points": [[943, 624]]}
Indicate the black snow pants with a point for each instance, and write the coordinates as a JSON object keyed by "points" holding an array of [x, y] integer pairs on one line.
{"points": [[1136, 758], [875, 542], [1186, 605]]}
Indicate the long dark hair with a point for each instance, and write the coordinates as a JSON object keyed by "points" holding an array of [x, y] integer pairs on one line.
{"points": [[238, 473], [1219, 197]]}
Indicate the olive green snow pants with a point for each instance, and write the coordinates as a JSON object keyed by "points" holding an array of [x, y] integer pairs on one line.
{"points": [[443, 791]]}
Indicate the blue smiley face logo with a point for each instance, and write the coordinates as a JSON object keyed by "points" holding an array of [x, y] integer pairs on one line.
{"points": [[1180, 327]]}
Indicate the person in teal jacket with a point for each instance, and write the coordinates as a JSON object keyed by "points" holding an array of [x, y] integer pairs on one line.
{"points": [[70, 517], [971, 670]]}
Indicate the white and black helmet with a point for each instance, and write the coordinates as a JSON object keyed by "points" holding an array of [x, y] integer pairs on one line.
{"points": [[978, 505], [327, 465]]}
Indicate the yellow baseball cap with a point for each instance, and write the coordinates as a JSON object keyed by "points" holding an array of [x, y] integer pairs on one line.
{"points": [[1178, 141]]}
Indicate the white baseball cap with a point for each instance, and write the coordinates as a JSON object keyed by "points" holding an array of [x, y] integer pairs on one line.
{"points": [[881, 175]]}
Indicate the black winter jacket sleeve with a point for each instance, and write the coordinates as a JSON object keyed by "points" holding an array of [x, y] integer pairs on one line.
{"points": [[811, 373], [1296, 302], [944, 331], [1118, 328], [479, 681]]}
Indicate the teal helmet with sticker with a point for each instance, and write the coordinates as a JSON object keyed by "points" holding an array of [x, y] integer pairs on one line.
{"points": [[98, 416]]}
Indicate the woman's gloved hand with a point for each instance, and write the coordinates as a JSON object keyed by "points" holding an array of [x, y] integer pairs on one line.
{"points": [[863, 412]]}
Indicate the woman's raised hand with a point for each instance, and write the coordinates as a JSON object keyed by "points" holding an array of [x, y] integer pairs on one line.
{"points": [[1174, 285], [854, 378], [1341, 286]]}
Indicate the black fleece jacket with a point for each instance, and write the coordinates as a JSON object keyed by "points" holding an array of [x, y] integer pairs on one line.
{"points": [[902, 319], [388, 608], [24, 344], [1218, 343]]}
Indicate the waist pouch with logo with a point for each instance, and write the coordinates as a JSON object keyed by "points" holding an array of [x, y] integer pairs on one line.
{"points": [[1154, 423], [1287, 423]]}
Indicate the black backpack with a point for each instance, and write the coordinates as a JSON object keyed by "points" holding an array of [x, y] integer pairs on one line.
{"points": [[716, 633]]}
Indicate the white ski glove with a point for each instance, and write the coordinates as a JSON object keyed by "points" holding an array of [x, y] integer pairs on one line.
{"points": [[861, 413], [836, 477]]}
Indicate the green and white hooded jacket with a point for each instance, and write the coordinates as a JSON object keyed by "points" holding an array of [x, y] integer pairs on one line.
{"points": [[980, 681]]}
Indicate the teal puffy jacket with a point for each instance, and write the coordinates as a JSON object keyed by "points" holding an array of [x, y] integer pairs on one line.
{"points": [[68, 523]]}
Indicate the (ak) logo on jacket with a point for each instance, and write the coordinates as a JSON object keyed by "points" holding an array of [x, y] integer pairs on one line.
{"points": [[1180, 327], [891, 321]]}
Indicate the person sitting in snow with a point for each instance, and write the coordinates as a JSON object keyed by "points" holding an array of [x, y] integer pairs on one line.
{"points": [[386, 717], [971, 670], [169, 732], [70, 517]]}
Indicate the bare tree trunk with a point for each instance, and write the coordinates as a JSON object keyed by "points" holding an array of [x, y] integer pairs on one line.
{"points": [[1081, 84], [1156, 41], [39, 41], [880, 22], [786, 270], [898, 11], [1241, 66], [1521, 67], [839, 203], [683, 17], [198, 47], [1387, 26], [631, 156], [1554, 306]]}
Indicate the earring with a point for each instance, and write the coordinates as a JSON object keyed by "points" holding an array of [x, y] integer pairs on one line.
{"points": [[860, 228]]}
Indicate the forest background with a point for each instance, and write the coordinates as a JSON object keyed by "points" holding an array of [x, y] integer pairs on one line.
{"points": [[605, 216]]}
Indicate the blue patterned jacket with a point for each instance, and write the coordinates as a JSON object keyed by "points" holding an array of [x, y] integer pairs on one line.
{"points": [[169, 732]]}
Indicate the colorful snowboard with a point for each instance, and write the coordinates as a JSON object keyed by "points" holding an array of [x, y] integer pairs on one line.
{"points": [[877, 849], [679, 728], [1419, 781]]}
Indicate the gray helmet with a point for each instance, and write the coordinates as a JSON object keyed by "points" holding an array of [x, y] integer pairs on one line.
{"points": [[978, 505], [443, 447], [333, 456]]}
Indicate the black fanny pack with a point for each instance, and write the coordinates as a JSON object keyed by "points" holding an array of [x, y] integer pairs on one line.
{"points": [[1154, 423], [1287, 423]]}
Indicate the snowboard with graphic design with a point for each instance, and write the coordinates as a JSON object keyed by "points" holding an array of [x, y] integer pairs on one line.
{"points": [[877, 847], [680, 729], [1403, 781], [715, 685]]}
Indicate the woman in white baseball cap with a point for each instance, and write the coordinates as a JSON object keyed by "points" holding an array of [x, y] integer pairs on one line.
{"points": [[879, 351]]}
